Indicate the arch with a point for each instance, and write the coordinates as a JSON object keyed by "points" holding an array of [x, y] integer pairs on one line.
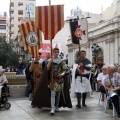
{"points": [[100, 58]]}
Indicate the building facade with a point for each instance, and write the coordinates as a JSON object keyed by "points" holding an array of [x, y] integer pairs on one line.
{"points": [[112, 11], [64, 35], [106, 34], [20, 10], [4, 26]]}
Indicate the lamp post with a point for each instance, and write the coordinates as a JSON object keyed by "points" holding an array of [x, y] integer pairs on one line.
{"points": [[95, 49], [61, 55]]}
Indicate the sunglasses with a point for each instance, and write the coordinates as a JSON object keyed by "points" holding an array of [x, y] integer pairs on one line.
{"points": [[103, 69]]}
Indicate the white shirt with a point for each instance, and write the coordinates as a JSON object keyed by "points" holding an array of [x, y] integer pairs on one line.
{"points": [[101, 77], [115, 80], [3, 77]]}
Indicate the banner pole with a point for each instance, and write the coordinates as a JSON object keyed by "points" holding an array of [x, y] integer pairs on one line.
{"points": [[52, 82], [79, 54]]}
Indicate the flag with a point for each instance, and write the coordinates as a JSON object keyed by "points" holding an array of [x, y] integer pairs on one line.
{"points": [[79, 31], [49, 19], [31, 37]]}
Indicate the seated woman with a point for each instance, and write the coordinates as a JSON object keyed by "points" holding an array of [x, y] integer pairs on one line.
{"points": [[3, 80], [100, 80], [112, 85]]}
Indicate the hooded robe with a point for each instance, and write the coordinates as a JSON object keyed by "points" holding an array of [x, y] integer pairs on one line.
{"points": [[42, 96]]}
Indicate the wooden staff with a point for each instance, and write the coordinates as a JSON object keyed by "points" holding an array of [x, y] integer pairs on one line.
{"points": [[79, 53], [52, 82]]}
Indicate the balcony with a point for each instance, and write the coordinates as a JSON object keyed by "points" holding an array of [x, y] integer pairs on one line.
{"points": [[12, 7], [20, 7], [12, 22], [12, 14], [12, 30]]}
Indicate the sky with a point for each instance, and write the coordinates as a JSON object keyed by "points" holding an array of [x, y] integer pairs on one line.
{"points": [[94, 6]]}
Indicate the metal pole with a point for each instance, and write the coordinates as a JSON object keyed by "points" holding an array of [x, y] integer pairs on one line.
{"points": [[52, 81], [49, 2], [79, 46], [29, 16]]}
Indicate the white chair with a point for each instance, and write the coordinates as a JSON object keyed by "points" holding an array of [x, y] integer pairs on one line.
{"points": [[105, 99], [106, 103]]}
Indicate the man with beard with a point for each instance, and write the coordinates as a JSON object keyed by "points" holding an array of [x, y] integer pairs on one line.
{"points": [[53, 90], [80, 79]]}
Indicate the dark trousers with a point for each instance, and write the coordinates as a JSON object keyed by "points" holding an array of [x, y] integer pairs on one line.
{"points": [[84, 95], [28, 88], [102, 89], [115, 101]]}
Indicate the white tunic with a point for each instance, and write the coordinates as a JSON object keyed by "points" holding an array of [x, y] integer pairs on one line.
{"points": [[77, 85]]}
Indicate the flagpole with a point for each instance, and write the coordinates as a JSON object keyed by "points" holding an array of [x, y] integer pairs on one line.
{"points": [[49, 2], [79, 50], [51, 57]]}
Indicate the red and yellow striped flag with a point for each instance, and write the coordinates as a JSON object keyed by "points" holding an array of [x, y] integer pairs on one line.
{"points": [[49, 19], [31, 37]]}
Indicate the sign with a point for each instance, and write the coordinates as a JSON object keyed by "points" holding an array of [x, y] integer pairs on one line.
{"points": [[47, 48]]}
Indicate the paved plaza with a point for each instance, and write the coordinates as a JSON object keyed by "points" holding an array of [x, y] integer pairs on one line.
{"points": [[22, 110]]}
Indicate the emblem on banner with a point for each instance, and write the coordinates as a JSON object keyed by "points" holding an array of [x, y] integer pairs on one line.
{"points": [[32, 39], [79, 32]]}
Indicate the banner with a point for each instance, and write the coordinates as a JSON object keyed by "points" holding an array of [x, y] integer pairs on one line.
{"points": [[31, 37], [47, 48], [49, 19], [79, 31]]}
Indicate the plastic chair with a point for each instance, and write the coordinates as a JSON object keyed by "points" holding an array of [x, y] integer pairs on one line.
{"points": [[106, 103], [105, 99], [107, 106]]}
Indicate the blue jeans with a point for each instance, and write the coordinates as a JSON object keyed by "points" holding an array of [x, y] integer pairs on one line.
{"points": [[20, 71], [28, 88]]}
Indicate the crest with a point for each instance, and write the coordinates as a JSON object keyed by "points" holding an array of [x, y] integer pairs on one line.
{"points": [[32, 39], [79, 32]]}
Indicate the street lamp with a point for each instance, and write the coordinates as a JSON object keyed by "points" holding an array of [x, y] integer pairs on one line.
{"points": [[61, 55], [95, 49]]}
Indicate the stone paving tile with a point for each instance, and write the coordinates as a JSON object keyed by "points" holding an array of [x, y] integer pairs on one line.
{"points": [[22, 110]]}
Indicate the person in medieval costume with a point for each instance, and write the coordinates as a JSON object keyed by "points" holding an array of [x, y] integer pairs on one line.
{"points": [[53, 92], [80, 79], [36, 69]]}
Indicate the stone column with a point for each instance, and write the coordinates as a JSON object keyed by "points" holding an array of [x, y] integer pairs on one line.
{"points": [[104, 52], [116, 50], [107, 56], [119, 49], [111, 52]]}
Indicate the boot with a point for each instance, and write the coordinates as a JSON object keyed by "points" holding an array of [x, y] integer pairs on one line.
{"points": [[78, 100], [84, 95], [52, 112], [56, 109]]}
